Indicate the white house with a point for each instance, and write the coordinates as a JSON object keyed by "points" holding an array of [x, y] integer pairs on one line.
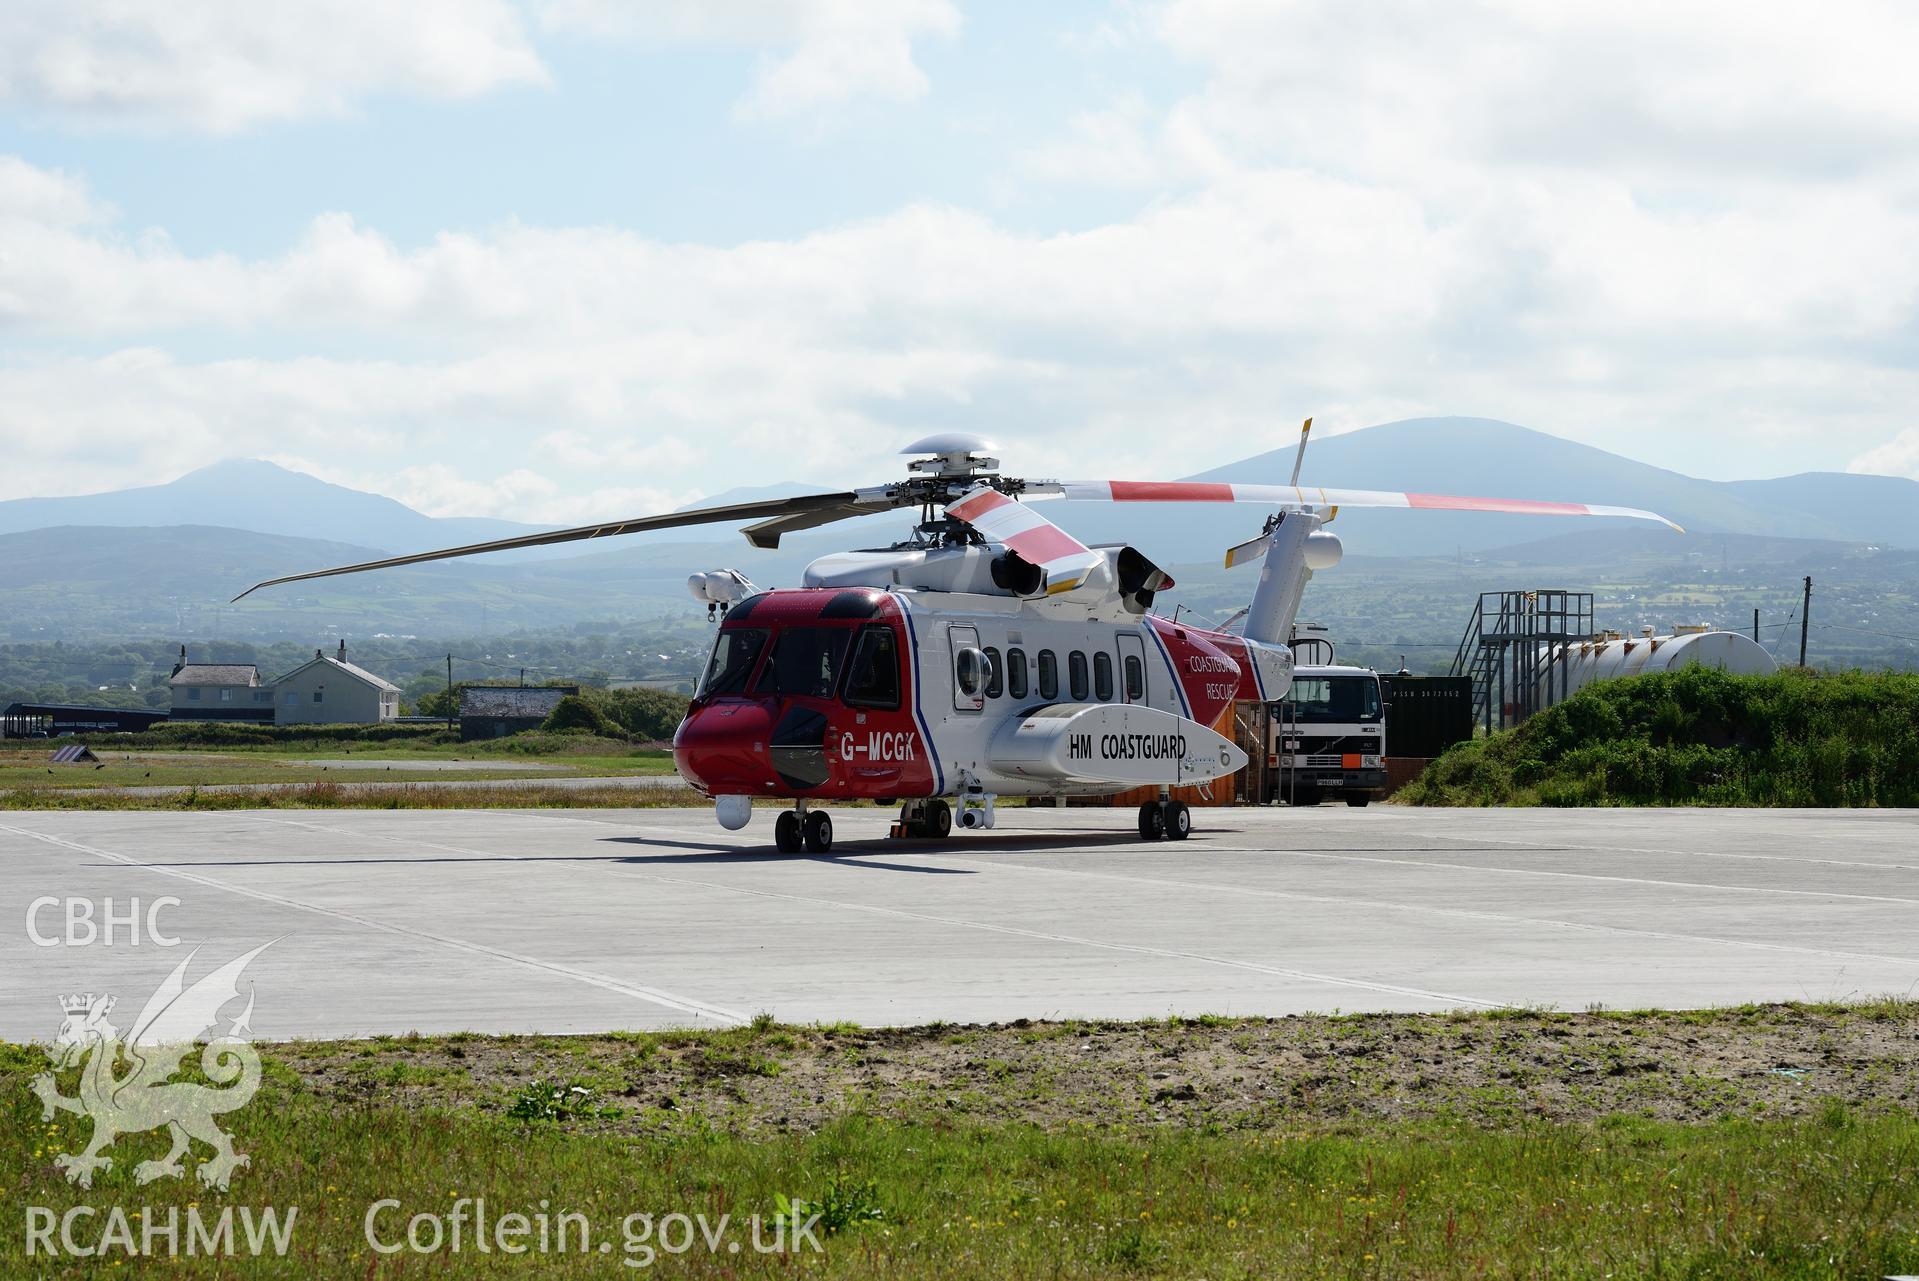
{"points": [[332, 691]]}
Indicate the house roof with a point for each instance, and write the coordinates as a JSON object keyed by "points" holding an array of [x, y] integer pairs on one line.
{"points": [[348, 669], [216, 674], [511, 700]]}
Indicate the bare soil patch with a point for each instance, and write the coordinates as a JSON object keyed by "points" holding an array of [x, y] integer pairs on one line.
{"points": [[1502, 1068]]}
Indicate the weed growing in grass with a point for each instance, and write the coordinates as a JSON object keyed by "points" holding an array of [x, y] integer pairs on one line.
{"points": [[847, 1204], [552, 1101]]}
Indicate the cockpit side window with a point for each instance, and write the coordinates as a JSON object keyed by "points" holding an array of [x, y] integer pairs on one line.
{"points": [[805, 662], [873, 678], [734, 654]]}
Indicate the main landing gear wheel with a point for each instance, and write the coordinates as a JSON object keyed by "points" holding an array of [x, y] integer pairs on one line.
{"points": [[930, 820], [1165, 821], [819, 832], [786, 833]]}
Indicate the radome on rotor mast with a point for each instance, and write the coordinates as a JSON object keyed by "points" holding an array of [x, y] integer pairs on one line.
{"points": [[990, 654]]}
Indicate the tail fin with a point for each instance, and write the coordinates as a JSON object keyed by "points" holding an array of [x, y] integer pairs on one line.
{"points": [[1282, 579]]}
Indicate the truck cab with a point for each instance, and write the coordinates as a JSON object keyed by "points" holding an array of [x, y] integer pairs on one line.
{"points": [[1329, 736]]}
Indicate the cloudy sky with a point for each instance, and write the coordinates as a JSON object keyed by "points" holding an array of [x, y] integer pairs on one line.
{"points": [[569, 259]]}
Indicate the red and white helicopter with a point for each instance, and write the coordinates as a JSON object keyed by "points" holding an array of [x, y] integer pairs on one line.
{"points": [[991, 654]]}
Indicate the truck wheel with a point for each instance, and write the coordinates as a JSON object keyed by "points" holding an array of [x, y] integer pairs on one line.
{"points": [[1179, 821], [786, 833], [819, 832], [1152, 822]]}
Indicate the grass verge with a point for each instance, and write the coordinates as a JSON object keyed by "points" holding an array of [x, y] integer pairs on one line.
{"points": [[914, 1185], [373, 796]]}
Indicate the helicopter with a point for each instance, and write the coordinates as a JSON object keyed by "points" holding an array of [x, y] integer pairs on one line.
{"points": [[990, 654]]}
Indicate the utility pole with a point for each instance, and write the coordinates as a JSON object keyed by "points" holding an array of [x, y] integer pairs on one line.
{"points": [[1755, 626], [449, 691], [1805, 621]]}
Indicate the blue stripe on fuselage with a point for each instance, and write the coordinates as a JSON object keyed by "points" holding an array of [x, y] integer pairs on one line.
{"points": [[919, 718]]}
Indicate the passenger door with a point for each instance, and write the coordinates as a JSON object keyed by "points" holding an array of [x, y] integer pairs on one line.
{"points": [[967, 670]]}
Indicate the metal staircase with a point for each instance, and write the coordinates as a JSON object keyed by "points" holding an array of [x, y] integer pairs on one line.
{"points": [[1514, 650]]}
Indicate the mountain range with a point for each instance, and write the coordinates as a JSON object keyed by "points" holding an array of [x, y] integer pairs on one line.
{"points": [[167, 557]]}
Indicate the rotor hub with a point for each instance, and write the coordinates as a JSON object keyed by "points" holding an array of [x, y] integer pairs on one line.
{"points": [[952, 453]]}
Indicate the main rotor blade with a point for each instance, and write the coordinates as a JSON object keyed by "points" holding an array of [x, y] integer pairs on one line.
{"points": [[1308, 498], [1064, 560], [639, 524], [767, 533]]}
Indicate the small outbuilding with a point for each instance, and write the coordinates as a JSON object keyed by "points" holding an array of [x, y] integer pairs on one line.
{"points": [[331, 691], [494, 711]]}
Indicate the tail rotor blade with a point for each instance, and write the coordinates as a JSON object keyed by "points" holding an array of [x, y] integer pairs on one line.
{"points": [[1247, 552]]}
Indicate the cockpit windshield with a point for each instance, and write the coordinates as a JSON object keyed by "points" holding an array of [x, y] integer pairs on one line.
{"points": [[805, 662], [734, 654]]}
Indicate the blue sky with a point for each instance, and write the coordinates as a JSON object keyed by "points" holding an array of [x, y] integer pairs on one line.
{"points": [[577, 258]]}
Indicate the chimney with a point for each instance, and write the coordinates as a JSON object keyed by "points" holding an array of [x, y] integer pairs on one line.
{"points": [[342, 655], [319, 653], [183, 661]]}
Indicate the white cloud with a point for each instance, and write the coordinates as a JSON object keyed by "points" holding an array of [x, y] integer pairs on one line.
{"points": [[828, 51], [1897, 457], [225, 65], [1630, 229]]}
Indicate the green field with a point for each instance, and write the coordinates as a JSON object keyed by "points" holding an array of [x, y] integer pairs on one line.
{"points": [[1207, 1147], [322, 772]]}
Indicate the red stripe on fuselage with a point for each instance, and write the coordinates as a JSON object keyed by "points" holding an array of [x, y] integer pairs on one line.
{"points": [[1170, 491], [1443, 502]]}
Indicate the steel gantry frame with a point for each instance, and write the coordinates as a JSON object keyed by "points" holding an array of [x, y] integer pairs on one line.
{"points": [[1515, 651]]}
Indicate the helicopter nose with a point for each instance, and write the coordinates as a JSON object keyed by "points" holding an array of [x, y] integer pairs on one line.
{"points": [[722, 749]]}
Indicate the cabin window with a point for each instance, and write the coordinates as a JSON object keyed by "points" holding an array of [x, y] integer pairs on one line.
{"points": [[1048, 674], [226, 696], [995, 679], [734, 654], [1016, 672], [1135, 679], [804, 662], [1076, 676], [319, 695], [1103, 678], [193, 695], [873, 679]]}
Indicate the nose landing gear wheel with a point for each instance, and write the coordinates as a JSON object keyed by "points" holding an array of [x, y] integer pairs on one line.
{"points": [[819, 832], [786, 832], [1152, 822]]}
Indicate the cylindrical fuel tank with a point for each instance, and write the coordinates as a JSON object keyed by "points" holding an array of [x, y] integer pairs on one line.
{"points": [[1587, 661]]}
